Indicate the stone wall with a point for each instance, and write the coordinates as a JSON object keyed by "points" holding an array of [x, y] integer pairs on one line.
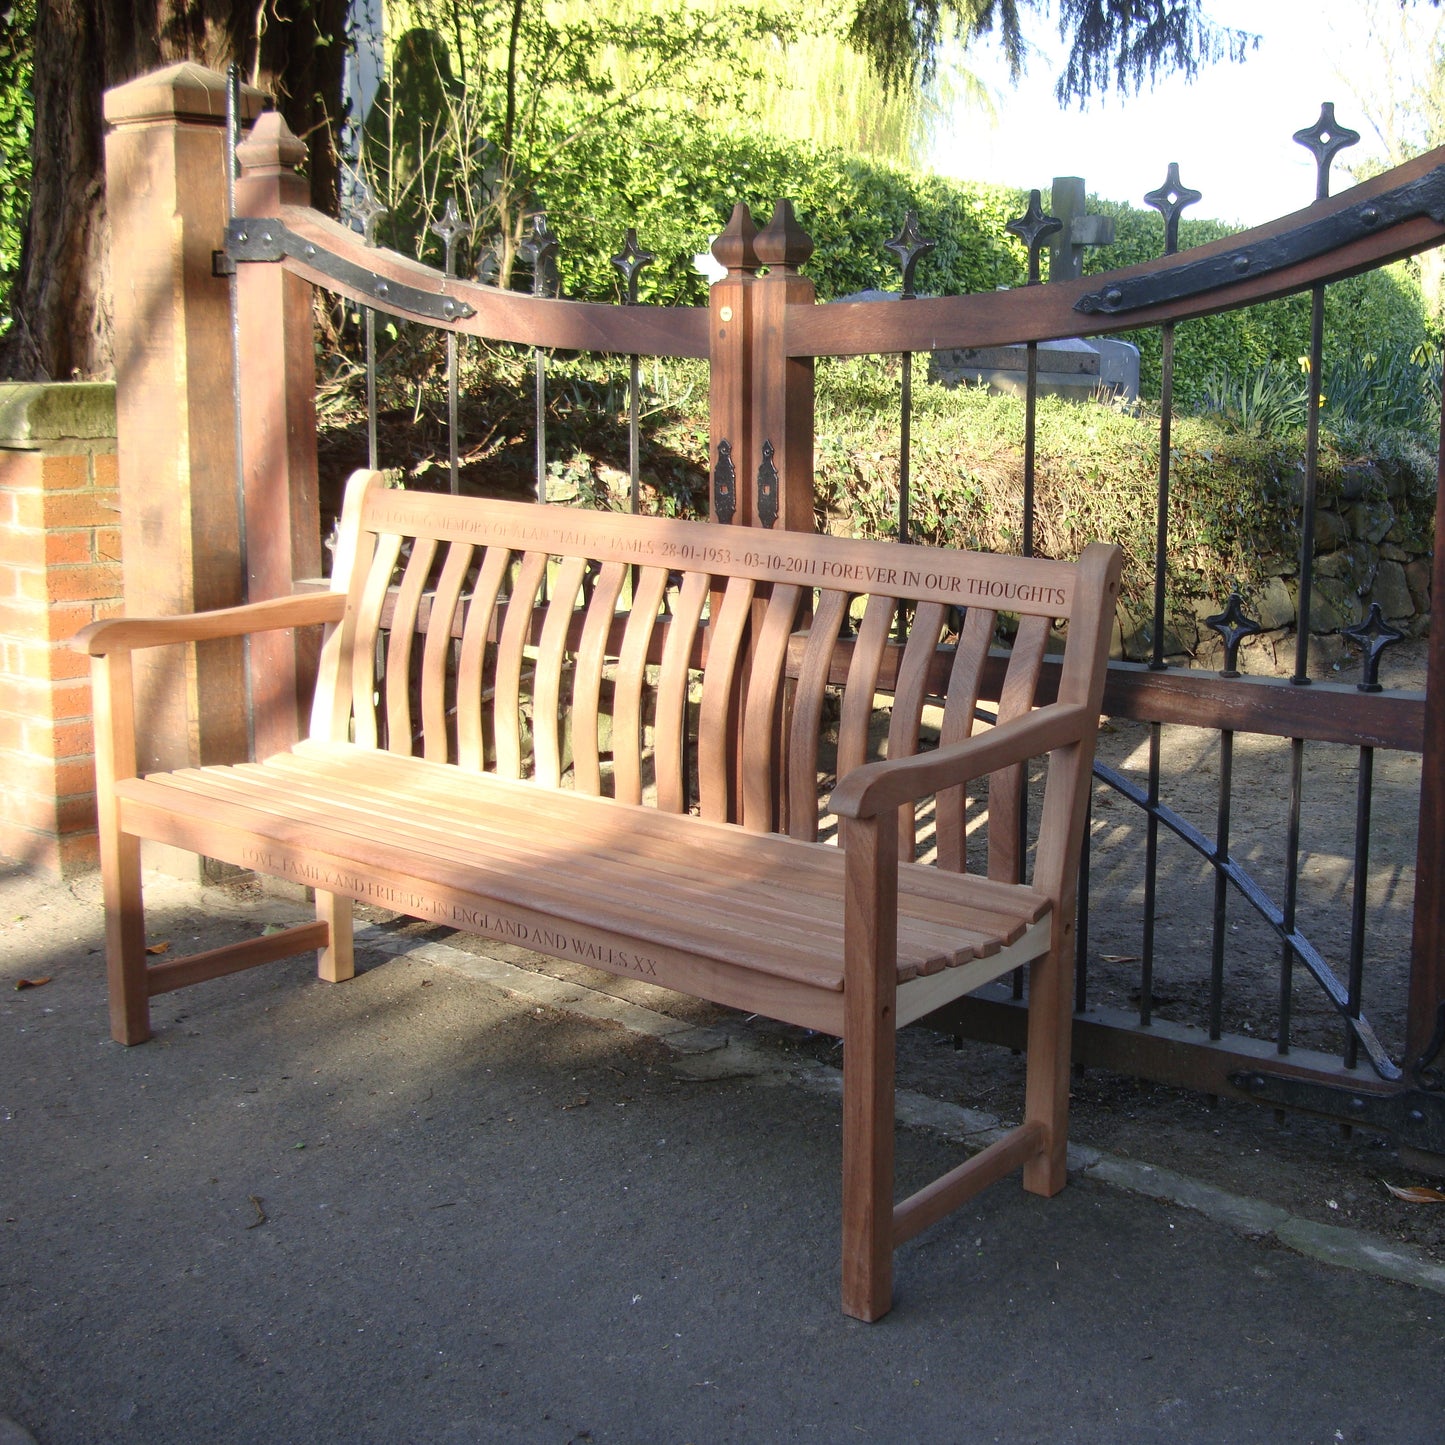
{"points": [[1371, 546]]}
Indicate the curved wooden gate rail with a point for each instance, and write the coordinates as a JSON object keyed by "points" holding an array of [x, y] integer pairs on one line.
{"points": [[761, 333]]}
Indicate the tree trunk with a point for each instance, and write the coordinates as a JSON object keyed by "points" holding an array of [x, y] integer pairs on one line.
{"points": [[82, 49]]}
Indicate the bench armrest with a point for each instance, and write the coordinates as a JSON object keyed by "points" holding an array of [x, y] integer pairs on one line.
{"points": [[874, 788], [127, 634]]}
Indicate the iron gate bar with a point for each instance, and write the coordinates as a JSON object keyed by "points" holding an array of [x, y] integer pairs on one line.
{"points": [[539, 250], [629, 262], [1374, 635], [1233, 627], [1338, 995], [451, 229], [908, 247]]}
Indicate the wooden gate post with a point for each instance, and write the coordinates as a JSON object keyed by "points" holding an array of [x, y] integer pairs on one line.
{"points": [[782, 384], [730, 371], [1425, 1016], [277, 397], [166, 198]]}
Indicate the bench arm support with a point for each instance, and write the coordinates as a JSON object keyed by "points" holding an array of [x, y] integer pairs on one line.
{"points": [[874, 788], [128, 634]]}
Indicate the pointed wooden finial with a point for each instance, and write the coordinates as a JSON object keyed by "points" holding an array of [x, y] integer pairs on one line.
{"points": [[734, 248], [785, 244]]}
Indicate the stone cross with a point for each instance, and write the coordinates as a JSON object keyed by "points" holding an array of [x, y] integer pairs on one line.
{"points": [[1066, 247]]}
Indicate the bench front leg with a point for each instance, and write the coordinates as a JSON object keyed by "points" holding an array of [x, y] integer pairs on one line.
{"points": [[870, 991], [335, 963], [113, 705]]}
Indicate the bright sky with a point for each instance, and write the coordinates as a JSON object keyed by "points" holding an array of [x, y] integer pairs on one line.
{"points": [[1230, 130]]}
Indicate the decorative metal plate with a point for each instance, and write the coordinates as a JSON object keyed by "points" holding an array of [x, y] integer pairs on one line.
{"points": [[1424, 197], [251, 238]]}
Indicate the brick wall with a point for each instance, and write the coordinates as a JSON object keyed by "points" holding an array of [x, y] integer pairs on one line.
{"points": [[59, 569]]}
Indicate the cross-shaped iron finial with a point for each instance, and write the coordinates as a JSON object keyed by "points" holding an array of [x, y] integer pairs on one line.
{"points": [[450, 229], [537, 250], [367, 209], [1374, 635], [1170, 200], [1233, 627], [1033, 228], [1323, 140], [629, 261], [910, 245]]}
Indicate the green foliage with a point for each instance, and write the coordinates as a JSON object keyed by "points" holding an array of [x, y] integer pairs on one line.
{"points": [[1234, 493], [1266, 402], [17, 33], [677, 185]]}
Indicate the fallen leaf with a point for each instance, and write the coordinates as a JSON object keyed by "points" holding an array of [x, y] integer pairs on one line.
{"points": [[31, 982], [1416, 1193], [1120, 957], [260, 1218], [157, 947], [580, 1102]]}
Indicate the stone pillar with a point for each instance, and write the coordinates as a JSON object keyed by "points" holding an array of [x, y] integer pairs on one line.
{"points": [[166, 196], [59, 569]]}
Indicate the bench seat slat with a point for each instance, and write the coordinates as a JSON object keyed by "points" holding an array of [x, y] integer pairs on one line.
{"points": [[730, 916], [939, 934], [744, 857], [657, 890], [750, 857], [549, 859]]}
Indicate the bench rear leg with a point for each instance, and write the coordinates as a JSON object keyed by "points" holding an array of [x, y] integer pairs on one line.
{"points": [[1046, 1090], [335, 963]]}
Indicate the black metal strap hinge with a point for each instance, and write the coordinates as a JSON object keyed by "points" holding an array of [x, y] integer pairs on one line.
{"points": [[259, 238], [1424, 197]]}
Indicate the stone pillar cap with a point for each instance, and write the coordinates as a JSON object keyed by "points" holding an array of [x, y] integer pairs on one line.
{"points": [[184, 91]]}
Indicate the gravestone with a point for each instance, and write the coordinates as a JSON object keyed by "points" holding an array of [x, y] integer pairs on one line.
{"points": [[1076, 369]]}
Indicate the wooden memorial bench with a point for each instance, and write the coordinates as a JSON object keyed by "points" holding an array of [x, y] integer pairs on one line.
{"points": [[517, 705]]}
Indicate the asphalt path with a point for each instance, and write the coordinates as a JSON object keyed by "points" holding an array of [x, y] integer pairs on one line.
{"points": [[421, 1207]]}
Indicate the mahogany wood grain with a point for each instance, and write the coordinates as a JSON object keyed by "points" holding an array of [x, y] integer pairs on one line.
{"points": [[511, 658], [472, 683], [399, 645], [762, 729], [807, 713], [551, 662], [649, 589], [591, 656], [510, 842], [437, 652]]}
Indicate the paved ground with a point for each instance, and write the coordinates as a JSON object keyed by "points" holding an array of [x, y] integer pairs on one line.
{"points": [[444, 1204]]}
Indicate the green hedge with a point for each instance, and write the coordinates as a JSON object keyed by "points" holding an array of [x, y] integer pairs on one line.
{"points": [[676, 181]]}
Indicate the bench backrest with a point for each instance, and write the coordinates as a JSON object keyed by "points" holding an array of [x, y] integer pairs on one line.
{"points": [[539, 640]]}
